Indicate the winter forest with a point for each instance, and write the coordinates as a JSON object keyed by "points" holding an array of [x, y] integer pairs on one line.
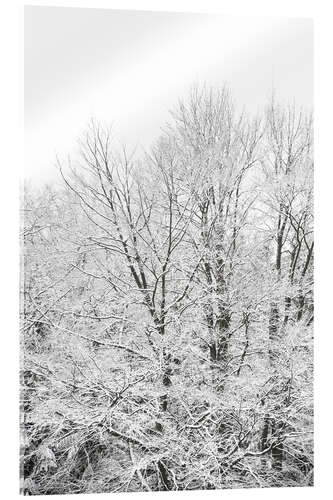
{"points": [[167, 307]]}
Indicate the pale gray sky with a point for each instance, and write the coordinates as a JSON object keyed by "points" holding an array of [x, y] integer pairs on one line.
{"points": [[129, 68]]}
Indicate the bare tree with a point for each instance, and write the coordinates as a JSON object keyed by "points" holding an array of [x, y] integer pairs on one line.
{"points": [[287, 197], [215, 151]]}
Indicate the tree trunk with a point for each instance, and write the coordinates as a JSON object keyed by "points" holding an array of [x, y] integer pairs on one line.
{"points": [[277, 451], [273, 328], [287, 304], [300, 305]]}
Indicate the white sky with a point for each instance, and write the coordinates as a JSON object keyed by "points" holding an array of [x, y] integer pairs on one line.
{"points": [[129, 68]]}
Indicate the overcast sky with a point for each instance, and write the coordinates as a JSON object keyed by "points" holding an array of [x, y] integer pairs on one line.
{"points": [[128, 69]]}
